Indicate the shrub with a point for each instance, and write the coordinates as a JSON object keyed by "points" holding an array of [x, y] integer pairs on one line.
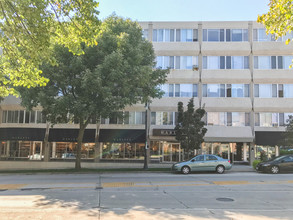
{"points": [[254, 164]]}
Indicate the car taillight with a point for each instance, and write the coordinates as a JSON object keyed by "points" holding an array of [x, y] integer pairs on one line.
{"points": [[229, 161]]}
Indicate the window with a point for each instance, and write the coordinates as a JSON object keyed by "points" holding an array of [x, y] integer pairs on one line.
{"points": [[273, 90], [178, 62], [216, 118], [220, 35], [288, 90], [186, 90], [210, 157], [272, 62], [260, 35], [145, 33], [237, 119], [162, 118], [266, 119], [228, 62], [226, 90], [179, 90], [172, 35], [199, 158]]}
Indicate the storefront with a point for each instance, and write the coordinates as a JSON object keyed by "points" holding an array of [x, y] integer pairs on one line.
{"points": [[267, 144]]}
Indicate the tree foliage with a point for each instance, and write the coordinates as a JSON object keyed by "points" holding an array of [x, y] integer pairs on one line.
{"points": [[278, 21], [29, 28], [288, 136], [116, 73], [190, 130]]}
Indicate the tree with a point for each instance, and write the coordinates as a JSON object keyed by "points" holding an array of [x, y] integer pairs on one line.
{"points": [[278, 21], [110, 76], [288, 136], [29, 28], [190, 130]]}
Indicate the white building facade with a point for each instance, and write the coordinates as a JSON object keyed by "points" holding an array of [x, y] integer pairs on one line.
{"points": [[240, 75]]}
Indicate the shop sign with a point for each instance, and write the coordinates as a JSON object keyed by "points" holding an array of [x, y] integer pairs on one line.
{"points": [[164, 132]]}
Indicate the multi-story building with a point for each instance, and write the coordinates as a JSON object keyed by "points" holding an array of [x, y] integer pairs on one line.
{"points": [[234, 70]]}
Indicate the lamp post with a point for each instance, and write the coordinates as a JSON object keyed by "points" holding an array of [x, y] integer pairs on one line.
{"points": [[145, 165]]}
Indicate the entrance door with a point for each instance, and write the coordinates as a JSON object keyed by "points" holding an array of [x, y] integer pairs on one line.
{"points": [[171, 152]]}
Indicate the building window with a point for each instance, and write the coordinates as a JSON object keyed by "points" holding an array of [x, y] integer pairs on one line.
{"points": [[176, 62], [221, 35], [145, 33], [236, 119], [162, 118], [273, 90], [260, 35], [226, 90], [179, 90], [172, 35], [228, 62], [21, 116], [272, 62]]}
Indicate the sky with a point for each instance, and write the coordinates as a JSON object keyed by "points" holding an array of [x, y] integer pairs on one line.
{"points": [[184, 10]]}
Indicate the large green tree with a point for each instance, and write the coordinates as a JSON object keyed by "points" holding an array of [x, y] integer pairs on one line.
{"points": [[190, 130], [116, 73], [288, 135], [279, 20], [29, 28]]}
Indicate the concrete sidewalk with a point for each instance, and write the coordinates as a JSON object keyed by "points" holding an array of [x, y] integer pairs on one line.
{"points": [[40, 165]]}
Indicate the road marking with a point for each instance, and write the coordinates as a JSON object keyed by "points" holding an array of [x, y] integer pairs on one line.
{"points": [[231, 182], [117, 184], [11, 186]]}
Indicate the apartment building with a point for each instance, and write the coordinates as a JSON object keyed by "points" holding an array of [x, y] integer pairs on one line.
{"points": [[240, 75]]}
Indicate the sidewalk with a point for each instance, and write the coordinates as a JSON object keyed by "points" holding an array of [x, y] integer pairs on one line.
{"points": [[40, 165]]}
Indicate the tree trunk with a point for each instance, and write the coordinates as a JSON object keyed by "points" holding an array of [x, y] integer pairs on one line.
{"points": [[79, 142], [46, 144], [97, 143]]}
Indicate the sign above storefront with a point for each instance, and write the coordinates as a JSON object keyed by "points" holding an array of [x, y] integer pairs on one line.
{"points": [[22, 134], [164, 132]]}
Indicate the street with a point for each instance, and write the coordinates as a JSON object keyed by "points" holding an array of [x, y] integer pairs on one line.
{"points": [[134, 195]]}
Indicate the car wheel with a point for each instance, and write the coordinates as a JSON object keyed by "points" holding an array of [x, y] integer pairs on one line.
{"points": [[275, 169], [220, 169], [185, 170]]}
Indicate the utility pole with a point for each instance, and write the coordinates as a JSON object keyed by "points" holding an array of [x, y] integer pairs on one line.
{"points": [[146, 159]]}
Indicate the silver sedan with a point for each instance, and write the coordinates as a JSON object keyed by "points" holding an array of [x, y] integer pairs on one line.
{"points": [[205, 162]]}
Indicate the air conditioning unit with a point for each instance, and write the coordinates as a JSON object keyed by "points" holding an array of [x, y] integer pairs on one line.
{"points": [[195, 67]]}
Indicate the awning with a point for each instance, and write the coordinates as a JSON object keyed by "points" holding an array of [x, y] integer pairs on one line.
{"points": [[70, 135], [122, 135], [271, 138], [22, 134]]}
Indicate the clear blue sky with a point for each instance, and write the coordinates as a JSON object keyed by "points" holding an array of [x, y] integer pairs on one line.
{"points": [[184, 10]]}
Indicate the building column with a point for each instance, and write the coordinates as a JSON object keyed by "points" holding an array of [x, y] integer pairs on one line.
{"points": [[54, 150], [7, 148], [244, 152], [252, 154], [277, 151]]}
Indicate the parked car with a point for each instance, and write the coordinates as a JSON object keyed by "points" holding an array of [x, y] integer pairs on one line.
{"points": [[203, 163], [279, 164], [35, 157], [68, 156]]}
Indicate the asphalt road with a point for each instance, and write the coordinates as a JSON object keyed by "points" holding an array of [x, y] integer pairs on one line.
{"points": [[245, 195]]}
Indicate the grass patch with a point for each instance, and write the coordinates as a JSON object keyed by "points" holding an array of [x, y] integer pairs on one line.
{"points": [[86, 170]]}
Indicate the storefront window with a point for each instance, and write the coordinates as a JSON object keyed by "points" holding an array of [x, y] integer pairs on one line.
{"points": [[67, 150], [123, 151], [265, 153]]}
